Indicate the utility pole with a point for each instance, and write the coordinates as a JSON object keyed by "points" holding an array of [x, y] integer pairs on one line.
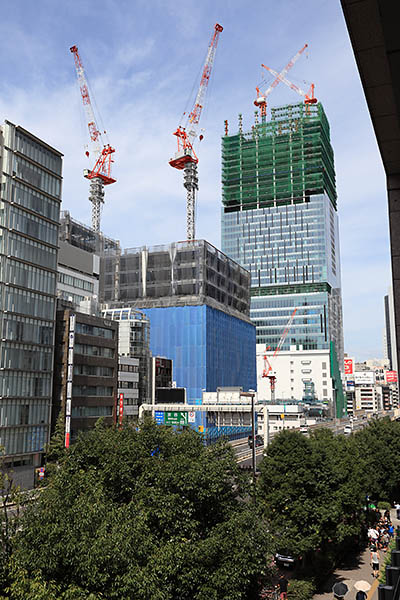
{"points": [[253, 436]]}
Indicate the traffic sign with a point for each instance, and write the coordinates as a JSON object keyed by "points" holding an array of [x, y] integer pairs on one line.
{"points": [[176, 418], [159, 417]]}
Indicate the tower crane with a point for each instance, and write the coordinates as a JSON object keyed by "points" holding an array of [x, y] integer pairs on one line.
{"points": [[267, 371], [100, 175], [261, 100], [309, 96], [185, 158]]}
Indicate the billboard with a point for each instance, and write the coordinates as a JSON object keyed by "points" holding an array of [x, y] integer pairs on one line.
{"points": [[391, 376], [364, 377], [348, 366], [170, 395]]}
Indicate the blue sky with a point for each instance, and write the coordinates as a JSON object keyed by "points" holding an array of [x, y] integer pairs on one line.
{"points": [[141, 58]]}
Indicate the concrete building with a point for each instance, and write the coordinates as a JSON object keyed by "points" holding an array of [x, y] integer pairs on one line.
{"points": [[30, 196], [295, 369], [128, 385], [376, 47], [134, 342], [78, 274], [197, 301], [80, 248], [85, 372], [279, 221], [390, 331], [368, 398]]}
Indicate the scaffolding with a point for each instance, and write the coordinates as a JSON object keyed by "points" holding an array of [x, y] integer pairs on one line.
{"points": [[282, 161], [178, 274]]}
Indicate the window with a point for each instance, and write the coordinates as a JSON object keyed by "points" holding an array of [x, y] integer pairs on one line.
{"points": [[96, 331], [93, 371], [76, 282], [94, 350], [324, 365], [128, 368], [91, 411], [91, 390]]}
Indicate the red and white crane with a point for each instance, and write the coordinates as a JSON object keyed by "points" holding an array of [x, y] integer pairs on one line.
{"points": [[261, 100], [187, 132], [267, 371], [100, 175], [309, 96]]}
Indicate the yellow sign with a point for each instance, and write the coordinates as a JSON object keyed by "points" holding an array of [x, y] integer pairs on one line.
{"points": [[282, 416], [201, 428]]}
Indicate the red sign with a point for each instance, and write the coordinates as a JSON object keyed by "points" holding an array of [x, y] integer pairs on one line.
{"points": [[121, 408], [391, 376], [348, 366]]}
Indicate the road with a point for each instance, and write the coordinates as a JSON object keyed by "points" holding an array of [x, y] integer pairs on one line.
{"points": [[243, 452]]}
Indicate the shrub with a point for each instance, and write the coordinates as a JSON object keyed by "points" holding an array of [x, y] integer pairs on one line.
{"points": [[384, 505], [300, 589]]}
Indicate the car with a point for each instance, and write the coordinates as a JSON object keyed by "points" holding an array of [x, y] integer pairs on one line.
{"points": [[348, 430], [303, 429], [259, 441], [284, 558]]}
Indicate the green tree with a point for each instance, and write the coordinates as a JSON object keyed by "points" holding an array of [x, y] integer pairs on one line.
{"points": [[311, 490], [149, 514], [10, 512], [379, 444]]}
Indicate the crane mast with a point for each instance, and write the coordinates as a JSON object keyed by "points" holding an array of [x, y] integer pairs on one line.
{"points": [[185, 158], [100, 175], [268, 372]]}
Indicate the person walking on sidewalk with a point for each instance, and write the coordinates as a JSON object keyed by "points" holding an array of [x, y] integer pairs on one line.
{"points": [[361, 595], [375, 561], [283, 586], [397, 507]]}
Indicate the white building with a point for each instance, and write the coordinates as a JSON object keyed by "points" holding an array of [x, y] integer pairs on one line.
{"points": [[368, 398], [294, 369], [134, 341], [128, 384]]}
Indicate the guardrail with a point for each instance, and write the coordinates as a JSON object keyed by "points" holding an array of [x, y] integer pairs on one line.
{"points": [[391, 590]]}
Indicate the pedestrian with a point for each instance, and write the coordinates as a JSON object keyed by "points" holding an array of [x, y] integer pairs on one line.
{"points": [[397, 507], [375, 561], [391, 530], [361, 595], [283, 586]]}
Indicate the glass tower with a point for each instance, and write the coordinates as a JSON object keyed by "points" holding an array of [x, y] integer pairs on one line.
{"points": [[279, 221], [30, 197]]}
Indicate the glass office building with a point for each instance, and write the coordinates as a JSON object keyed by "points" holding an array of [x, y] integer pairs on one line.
{"points": [[279, 221], [292, 253], [30, 197]]}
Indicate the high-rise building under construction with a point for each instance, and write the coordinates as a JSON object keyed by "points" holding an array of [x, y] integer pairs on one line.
{"points": [[279, 221]]}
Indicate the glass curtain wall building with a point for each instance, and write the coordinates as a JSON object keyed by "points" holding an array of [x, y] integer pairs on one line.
{"points": [[30, 196], [279, 220]]}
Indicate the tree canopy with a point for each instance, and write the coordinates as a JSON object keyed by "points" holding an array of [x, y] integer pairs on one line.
{"points": [[149, 514], [311, 489]]}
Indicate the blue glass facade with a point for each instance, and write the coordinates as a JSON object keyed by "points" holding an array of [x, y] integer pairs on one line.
{"points": [[209, 347], [292, 253]]}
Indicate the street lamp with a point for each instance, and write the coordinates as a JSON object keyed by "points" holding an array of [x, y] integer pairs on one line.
{"points": [[253, 435]]}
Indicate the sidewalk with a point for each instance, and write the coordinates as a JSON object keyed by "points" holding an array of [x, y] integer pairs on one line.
{"points": [[357, 568]]}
